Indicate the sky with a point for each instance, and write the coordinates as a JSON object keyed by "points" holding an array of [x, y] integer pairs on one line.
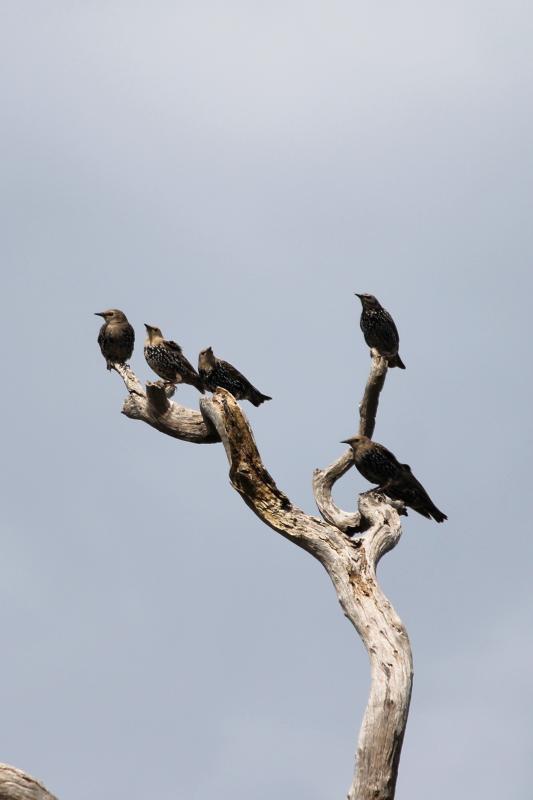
{"points": [[233, 172]]}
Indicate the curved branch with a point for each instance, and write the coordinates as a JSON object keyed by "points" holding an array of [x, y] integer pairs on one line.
{"points": [[153, 407], [256, 486], [325, 479], [17, 785]]}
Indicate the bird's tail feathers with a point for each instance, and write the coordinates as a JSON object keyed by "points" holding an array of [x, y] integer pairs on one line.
{"points": [[199, 384], [256, 398], [396, 361], [437, 515]]}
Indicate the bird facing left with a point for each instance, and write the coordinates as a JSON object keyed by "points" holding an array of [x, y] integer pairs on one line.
{"points": [[379, 465], [379, 330], [215, 372], [116, 337]]}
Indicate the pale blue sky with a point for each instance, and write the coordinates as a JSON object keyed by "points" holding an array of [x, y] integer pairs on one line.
{"points": [[233, 172]]}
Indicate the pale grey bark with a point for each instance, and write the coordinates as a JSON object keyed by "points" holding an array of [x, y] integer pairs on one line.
{"points": [[153, 407], [16, 785], [372, 615], [369, 404], [323, 481]]}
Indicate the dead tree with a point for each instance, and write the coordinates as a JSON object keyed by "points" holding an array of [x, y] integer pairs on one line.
{"points": [[347, 544], [350, 562]]}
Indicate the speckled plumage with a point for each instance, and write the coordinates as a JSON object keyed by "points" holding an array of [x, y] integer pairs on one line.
{"points": [[379, 330], [116, 337], [378, 465], [166, 359], [215, 372]]}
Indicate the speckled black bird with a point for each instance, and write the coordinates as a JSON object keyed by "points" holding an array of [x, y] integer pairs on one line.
{"points": [[379, 465], [116, 337], [215, 372], [167, 360], [379, 330]]}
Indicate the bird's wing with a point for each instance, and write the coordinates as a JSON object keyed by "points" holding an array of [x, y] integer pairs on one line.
{"points": [[173, 346], [391, 333], [377, 464], [387, 455], [414, 489], [186, 365], [233, 376]]}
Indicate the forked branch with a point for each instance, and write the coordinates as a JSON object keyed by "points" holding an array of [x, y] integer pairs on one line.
{"points": [[351, 564], [324, 479]]}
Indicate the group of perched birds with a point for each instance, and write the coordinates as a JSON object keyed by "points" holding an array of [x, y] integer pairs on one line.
{"points": [[377, 464], [166, 358]]}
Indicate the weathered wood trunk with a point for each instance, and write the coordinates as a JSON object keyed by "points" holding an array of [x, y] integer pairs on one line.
{"points": [[350, 562]]}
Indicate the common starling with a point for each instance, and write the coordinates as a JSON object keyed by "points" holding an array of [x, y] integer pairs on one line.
{"points": [[116, 337], [379, 330], [167, 360], [379, 465], [215, 372]]}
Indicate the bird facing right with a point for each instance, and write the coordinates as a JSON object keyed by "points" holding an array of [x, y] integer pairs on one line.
{"points": [[216, 372], [379, 465], [379, 330]]}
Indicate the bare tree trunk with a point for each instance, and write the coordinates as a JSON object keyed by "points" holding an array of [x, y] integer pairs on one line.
{"points": [[374, 618], [350, 563]]}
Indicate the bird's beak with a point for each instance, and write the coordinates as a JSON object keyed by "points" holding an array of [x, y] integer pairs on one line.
{"points": [[345, 441], [357, 295], [148, 327], [99, 314]]}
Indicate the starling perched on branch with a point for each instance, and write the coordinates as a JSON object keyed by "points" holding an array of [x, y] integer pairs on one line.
{"points": [[167, 360], [215, 372], [379, 330], [379, 465], [116, 337]]}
